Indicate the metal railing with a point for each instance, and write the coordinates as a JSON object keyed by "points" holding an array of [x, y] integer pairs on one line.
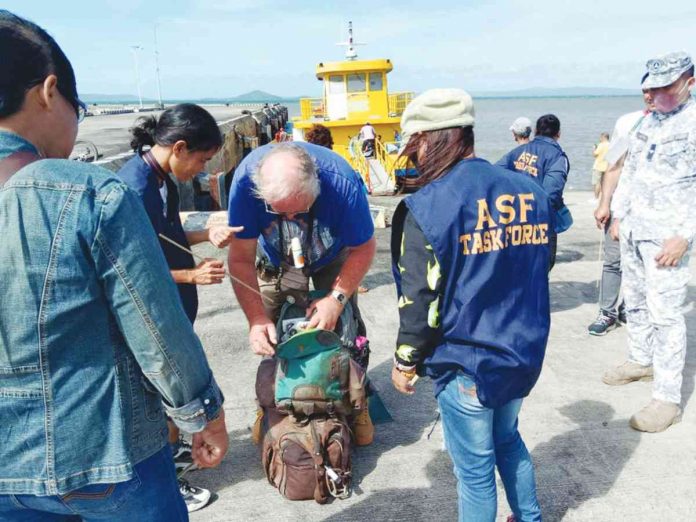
{"points": [[312, 108], [398, 102], [358, 161]]}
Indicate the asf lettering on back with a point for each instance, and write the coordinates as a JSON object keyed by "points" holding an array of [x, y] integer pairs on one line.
{"points": [[504, 223], [527, 162]]}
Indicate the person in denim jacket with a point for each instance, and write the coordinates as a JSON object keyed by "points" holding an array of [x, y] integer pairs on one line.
{"points": [[93, 336]]}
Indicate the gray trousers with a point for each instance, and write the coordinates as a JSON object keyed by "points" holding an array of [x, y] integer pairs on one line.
{"points": [[610, 286]]}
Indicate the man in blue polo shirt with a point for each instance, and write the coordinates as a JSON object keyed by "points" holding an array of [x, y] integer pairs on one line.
{"points": [[307, 195], [303, 191]]}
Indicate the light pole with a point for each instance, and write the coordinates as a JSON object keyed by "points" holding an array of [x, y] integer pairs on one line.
{"points": [[157, 70], [135, 49]]}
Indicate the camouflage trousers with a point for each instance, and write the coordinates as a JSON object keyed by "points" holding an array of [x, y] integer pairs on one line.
{"points": [[654, 299]]}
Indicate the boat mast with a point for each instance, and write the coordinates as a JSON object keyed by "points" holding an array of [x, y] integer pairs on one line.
{"points": [[351, 53]]}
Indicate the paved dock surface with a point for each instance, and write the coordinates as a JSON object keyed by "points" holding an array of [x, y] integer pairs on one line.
{"points": [[590, 465], [110, 132]]}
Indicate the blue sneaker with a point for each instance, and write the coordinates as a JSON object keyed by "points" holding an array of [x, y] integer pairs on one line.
{"points": [[603, 324]]}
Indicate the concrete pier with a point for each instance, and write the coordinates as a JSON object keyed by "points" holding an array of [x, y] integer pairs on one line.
{"points": [[590, 465]]}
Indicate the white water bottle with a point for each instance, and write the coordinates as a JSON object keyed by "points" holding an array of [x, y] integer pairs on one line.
{"points": [[297, 256]]}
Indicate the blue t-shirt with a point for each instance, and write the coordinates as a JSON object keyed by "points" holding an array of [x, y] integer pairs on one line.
{"points": [[340, 216], [142, 179]]}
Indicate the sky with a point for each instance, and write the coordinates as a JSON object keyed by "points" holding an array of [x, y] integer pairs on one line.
{"points": [[222, 48]]}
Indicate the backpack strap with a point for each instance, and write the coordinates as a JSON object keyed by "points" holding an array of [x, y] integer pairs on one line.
{"points": [[320, 491], [15, 162]]}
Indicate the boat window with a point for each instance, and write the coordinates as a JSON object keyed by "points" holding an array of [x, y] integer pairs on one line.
{"points": [[375, 81], [336, 85], [356, 82]]}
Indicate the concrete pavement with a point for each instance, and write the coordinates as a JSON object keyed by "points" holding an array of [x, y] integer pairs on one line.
{"points": [[590, 465]]}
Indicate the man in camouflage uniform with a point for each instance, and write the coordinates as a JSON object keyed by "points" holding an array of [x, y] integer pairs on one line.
{"points": [[654, 218]]}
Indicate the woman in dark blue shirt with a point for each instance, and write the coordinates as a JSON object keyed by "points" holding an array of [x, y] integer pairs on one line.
{"points": [[180, 143]]}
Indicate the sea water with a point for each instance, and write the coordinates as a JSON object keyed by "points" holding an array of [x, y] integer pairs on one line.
{"points": [[583, 119]]}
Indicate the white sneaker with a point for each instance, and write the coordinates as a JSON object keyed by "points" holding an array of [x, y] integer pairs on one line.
{"points": [[195, 498]]}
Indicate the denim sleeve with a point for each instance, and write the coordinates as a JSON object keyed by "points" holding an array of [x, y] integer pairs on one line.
{"points": [[143, 298], [554, 181]]}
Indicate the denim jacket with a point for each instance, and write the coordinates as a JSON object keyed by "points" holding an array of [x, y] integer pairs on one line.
{"points": [[93, 336]]}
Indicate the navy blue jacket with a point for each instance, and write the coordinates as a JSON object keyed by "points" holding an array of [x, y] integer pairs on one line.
{"points": [[490, 233], [140, 177], [544, 160]]}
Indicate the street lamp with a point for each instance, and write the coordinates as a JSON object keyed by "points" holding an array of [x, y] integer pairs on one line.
{"points": [[135, 49], [157, 70]]}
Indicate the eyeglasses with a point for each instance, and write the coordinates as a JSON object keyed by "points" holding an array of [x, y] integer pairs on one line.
{"points": [[81, 110], [270, 210], [77, 104]]}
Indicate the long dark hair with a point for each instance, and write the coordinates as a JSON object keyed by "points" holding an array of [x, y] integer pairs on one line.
{"points": [[184, 122], [445, 148], [28, 54]]}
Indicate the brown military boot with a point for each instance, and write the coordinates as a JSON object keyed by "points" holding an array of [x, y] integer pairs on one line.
{"points": [[363, 428], [656, 416], [627, 372], [258, 425]]}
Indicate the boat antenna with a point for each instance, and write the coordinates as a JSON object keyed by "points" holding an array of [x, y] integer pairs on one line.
{"points": [[351, 53]]}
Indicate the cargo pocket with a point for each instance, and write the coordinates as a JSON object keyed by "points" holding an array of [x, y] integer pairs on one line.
{"points": [[23, 431], [298, 479]]}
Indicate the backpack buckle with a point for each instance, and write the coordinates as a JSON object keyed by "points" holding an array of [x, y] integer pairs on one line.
{"points": [[337, 486]]}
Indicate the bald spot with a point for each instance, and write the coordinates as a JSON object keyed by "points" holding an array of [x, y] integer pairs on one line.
{"points": [[283, 167]]}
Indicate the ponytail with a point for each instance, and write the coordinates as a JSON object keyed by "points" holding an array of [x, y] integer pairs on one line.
{"points": [[143, 133], [184, 122]]}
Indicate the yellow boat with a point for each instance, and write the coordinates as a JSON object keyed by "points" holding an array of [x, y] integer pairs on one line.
{"points": [[354, 93]]}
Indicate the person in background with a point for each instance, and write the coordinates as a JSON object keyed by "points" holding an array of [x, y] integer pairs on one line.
{"points": [[93, 337], [320, 135], [544, 160], [281, 135], [466, 318], [521, 130], [612, 310], [368, 136], [180, 143], [651, 214], [600, 164]]}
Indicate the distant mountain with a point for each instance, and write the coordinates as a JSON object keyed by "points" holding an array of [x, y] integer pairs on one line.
{"points": [[543, 92], [248, 97]]}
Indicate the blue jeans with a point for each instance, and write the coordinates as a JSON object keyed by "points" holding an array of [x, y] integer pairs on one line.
{"points": [[152, 494], [479, 439]]}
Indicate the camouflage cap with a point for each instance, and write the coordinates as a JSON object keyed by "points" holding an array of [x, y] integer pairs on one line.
{"points": [[666, 69]]}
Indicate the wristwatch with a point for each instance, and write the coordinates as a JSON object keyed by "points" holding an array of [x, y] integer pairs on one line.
{"points": [[339, 296]]}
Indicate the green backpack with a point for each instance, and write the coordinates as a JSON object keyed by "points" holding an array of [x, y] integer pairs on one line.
{"points": [[315, 374]]}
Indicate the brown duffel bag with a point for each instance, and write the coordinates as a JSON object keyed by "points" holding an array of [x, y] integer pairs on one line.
{"points": [[309, 459]]}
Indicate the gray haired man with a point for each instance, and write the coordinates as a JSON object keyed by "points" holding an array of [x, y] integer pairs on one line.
{"points": [[521, 130], [653, 216], [307, 195]]}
